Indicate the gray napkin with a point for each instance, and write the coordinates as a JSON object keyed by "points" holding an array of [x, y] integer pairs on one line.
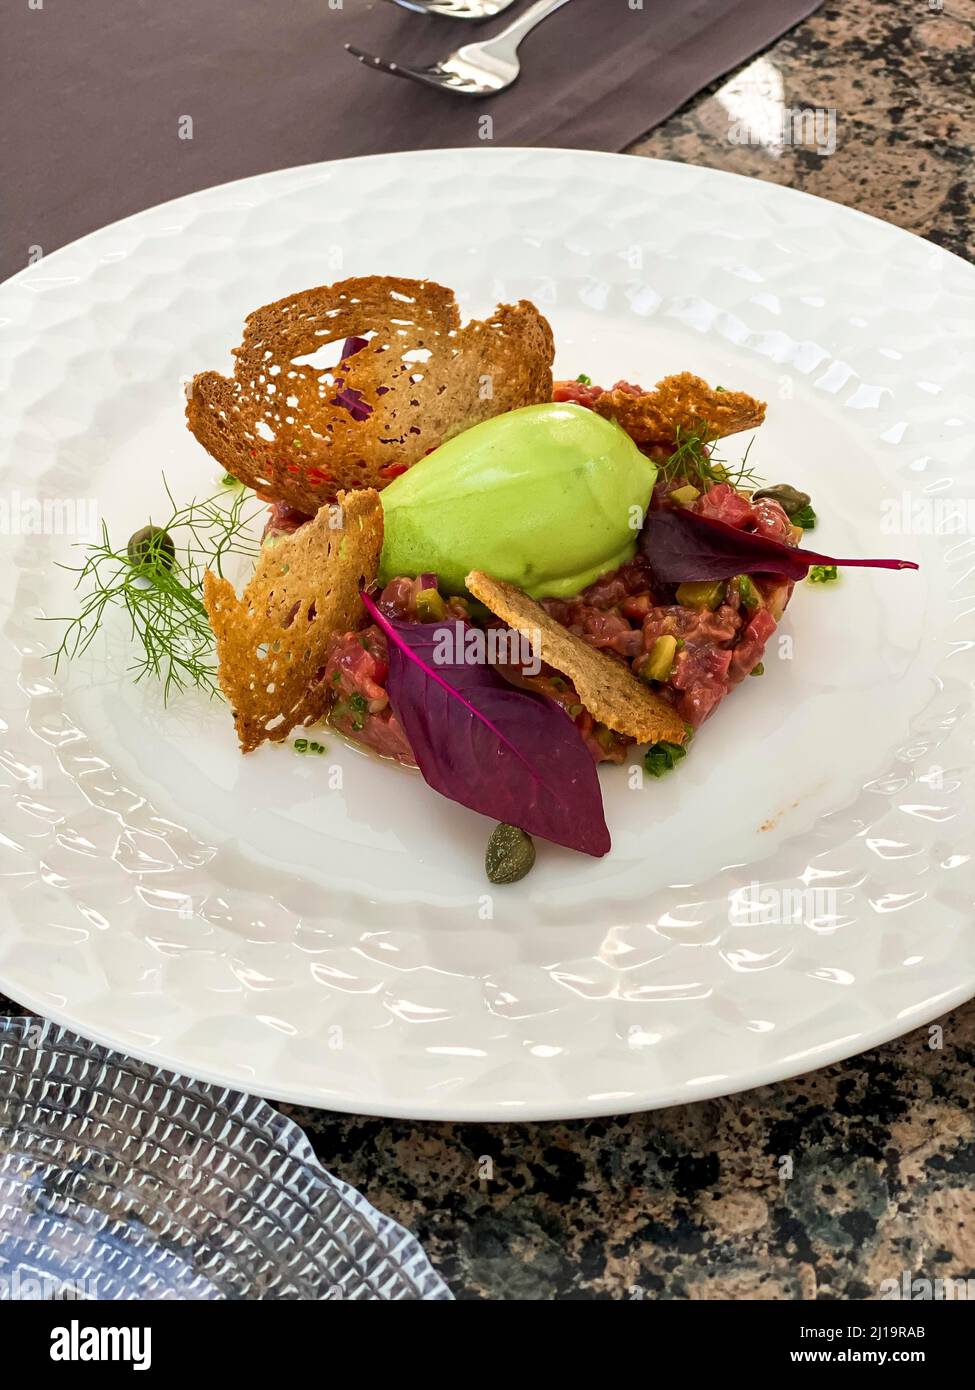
{"points": [[95, 93]]}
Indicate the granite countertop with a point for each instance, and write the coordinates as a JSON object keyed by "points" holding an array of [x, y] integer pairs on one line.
{"points": [[821, 1187], [899, 76]]}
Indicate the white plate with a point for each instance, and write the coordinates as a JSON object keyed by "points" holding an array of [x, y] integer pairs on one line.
{"points": [[800, 889]]}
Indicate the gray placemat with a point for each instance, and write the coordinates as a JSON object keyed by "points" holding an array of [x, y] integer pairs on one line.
{"points": [[96, 92]]}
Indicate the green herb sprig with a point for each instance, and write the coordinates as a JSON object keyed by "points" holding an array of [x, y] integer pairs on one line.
{"points": [[159, 585], [694, 459]]}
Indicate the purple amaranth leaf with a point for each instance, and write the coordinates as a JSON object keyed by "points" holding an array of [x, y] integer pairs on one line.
{"points": [[353, 402], [505, 752], [683, 547], [348, 396]]}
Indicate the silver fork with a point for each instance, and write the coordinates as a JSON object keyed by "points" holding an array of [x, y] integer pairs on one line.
{"points": [[477, 69], [456, 9]]}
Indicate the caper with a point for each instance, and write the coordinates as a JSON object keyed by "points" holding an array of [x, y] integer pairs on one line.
{"points": [[790, 499], [510, 854], [152, 545]]}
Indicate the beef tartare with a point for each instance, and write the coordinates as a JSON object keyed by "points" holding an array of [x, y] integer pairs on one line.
{"points": [[692, 642], [438, 556]]}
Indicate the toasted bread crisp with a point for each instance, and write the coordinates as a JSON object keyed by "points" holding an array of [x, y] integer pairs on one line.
{"points": [[271, 642], [679, 406], [607, 688], [297, 431]]}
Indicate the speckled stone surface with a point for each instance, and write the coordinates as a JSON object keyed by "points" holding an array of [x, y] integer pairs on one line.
{"points": [[818, 1188], [900, 77], [826, 1186]]}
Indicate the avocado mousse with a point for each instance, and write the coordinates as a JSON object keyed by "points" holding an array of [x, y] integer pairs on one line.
{"points": [[548, 497]]}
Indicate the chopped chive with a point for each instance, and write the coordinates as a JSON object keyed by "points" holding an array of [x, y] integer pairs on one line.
{"points": [[663, 757]]}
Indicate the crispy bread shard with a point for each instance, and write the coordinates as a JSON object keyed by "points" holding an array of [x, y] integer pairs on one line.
{"points": [[271, 642], [297, 431], [679, 406], [609, 691]]}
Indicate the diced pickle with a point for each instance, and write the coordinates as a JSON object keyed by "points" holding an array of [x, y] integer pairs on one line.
{"points": [[659, 660], [748, 593], [705, 593], [430, 607], [684, 496]]}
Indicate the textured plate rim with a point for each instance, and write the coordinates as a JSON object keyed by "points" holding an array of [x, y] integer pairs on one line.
{"points": [[486, 152], [515, 1112]]}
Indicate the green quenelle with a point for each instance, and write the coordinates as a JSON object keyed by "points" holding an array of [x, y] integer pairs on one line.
{"points": [[548, 497]]}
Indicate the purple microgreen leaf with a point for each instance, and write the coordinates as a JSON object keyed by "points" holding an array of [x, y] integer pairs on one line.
{"points": [[684, 547], [353, 402], [505, 752]]}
